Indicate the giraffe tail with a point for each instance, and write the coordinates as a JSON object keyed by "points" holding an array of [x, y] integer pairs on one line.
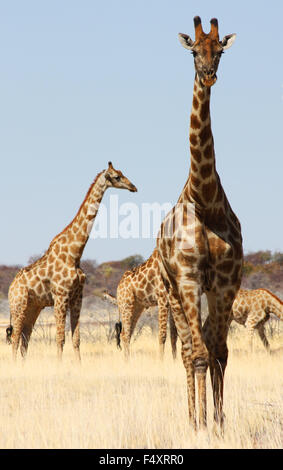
{"points": [[118, 329], [9, 332]]}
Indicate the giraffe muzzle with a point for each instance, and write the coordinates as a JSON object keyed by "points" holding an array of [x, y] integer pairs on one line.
{"points": [[209, 80]]}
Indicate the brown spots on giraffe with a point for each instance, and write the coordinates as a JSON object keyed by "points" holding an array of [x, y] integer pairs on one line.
{"points": [[225, 266], [195, 103], [70, 261], [50, 271], [58, 265], [195, 181], [42, 272], [62, 257], [208, 191], [201, 95], [65, 272], [33, 283], [216, 220], [151, 274], [143, 283], [194, 167], [193, 140], [205, 135], [73, 249], [39, 289], [84, 226], [208, 151], [220, 194], [196, 154], [195, 195], [80, 238], [222, 281], [195, 122], [206, 170], [237, 248], [236, 275], [155, 264], [71, 237], [204, 112], [56, 249], [56, 278]]}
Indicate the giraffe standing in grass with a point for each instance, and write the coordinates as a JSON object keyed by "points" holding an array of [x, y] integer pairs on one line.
{"points": [[56, 278], [139, 289], [252, 308], [200, 242]]}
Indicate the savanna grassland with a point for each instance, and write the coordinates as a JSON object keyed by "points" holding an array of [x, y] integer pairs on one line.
{"points": [[108, 403]]}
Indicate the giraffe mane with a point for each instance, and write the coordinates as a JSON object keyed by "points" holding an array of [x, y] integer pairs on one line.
{"points": [[69, 225]]}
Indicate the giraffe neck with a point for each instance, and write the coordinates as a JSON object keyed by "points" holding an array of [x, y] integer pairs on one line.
{"points": [[75, 236], [201, 186], [274, 303]]}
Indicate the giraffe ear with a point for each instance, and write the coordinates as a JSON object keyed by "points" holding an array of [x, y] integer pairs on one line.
{"points": [[227, 41], [186, 41]]}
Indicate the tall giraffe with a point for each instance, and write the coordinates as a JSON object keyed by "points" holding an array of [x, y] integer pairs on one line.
{"points": [[139, 289], [56, 278], [252, 308], [200, 242]]}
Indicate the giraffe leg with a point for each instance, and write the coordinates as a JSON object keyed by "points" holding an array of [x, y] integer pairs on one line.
{"points": [[61, 304], [75, 310], [18, 317], [25, 337], [186, 351], [215, 331], [250, 330], [173, 335], [18, 324], [261, 332], [190, 295], [27, 329], [162, 325], [126, 315]]}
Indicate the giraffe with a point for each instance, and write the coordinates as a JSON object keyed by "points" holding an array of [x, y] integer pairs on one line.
{"points": [[56, 279], [139, 289], [200, 243], [252, 308]]}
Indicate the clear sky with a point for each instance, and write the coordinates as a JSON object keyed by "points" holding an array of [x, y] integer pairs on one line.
{"points": [[86, 81]]}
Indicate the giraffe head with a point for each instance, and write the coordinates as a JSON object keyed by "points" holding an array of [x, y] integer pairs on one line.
{"points": [[116, 179], [207, 50]]}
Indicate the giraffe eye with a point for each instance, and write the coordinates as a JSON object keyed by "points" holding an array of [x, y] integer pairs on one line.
{"points": [[117, 178]]}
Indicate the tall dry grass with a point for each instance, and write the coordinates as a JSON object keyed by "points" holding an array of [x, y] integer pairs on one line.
{"points": [[107, 403]]}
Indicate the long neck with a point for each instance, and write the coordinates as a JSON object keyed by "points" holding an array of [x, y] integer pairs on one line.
{"points": [[73, 238], [274, 303], [203, 180]]}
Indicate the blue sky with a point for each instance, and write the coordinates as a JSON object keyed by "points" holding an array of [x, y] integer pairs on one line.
{"points": [[84, 82]]}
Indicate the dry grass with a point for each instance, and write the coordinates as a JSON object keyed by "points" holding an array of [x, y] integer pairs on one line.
{"points": [[107, 403]]}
